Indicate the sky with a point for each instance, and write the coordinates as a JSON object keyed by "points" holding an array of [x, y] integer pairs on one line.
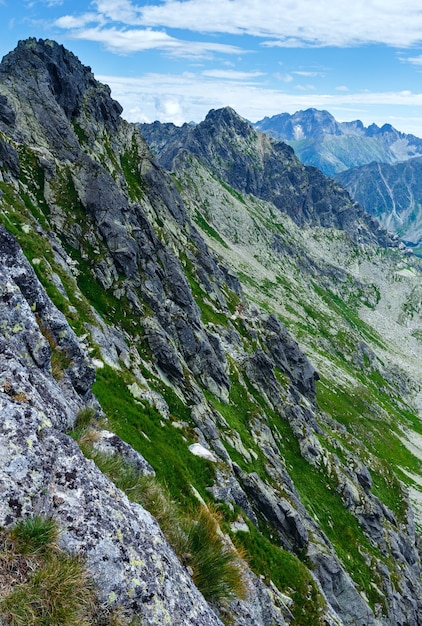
{"points": [[174, 60]]}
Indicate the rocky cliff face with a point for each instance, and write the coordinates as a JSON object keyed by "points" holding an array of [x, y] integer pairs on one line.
{"points": [[44, 472], [390, 192], [169, 290]]}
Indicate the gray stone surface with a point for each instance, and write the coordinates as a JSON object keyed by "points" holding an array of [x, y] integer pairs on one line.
{"points": [[42, 470]]}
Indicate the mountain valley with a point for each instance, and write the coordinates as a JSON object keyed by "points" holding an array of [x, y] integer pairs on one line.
{"points": [[233, 331]]}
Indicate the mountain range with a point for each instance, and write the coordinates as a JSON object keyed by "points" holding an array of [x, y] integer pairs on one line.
{"points": [[320, 140], [210, 374], [378, 166], [393, 194]]}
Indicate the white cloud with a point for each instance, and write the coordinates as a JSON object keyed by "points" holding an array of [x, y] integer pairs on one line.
{"points": [[283, 23], [49, 3], [123, 11], [415, 60], [191, 97], [286, 78], [135, 40], [308, 74], [287, 22], [70, 21], [306, 87], [231, 74]]}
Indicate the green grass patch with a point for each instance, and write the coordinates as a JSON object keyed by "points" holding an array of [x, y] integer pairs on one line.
{"points": [[318, 493], [17, 218], [238, 413], [164, 446], [348, 312], [362, 414], [33, 535], [39, 584], [287, 573], [130, 162], [199, 219], [236, 194]]}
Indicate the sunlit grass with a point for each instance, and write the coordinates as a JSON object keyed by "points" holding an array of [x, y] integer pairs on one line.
{"points": [[39, 584]]}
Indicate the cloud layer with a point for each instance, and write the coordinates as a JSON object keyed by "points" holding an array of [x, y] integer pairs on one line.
{"points": [[282, 24], [187, 97]]}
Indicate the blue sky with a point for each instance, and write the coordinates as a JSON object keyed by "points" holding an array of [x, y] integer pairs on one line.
{"points": [[174, 60]]}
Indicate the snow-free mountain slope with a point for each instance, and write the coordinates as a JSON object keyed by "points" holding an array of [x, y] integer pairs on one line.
{"points": [[377, 165], [252, 163], [319, 140], [254, 338], [393, 194]]}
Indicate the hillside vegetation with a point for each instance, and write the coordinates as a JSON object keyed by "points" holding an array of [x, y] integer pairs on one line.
{"points": [[210, 369]]}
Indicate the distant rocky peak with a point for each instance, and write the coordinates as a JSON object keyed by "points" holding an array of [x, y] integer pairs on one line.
{"points": [[229, 118], [302, 124], [314, 122]]}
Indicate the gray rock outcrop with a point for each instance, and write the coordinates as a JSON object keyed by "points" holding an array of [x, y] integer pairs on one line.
{"points": [[43, 471]]}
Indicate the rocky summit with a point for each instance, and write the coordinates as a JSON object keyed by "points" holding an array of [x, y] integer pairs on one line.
{"points": [[210, 373], [319, 139]]}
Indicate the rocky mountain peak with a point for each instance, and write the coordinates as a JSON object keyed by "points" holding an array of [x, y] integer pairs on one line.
{"points": [[310, 123], [228, 119], [58, 86], [253, 163], [53, 68]]}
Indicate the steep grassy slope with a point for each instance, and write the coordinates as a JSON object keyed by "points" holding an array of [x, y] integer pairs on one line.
{"points": [[355, 309], [176, 286]]}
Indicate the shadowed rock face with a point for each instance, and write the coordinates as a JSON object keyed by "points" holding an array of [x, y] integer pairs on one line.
{"points": [[81, 182], [391, 193], [252, 163], [57, 89]]}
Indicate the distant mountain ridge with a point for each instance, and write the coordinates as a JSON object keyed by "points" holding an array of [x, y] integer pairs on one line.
{"points": [[253, 163], [393, 194], [319, 139]]}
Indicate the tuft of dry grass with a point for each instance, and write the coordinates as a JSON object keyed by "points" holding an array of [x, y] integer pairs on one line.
{"points": [[195, 536], [39, 584], [58, 591], [215, 563]]}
